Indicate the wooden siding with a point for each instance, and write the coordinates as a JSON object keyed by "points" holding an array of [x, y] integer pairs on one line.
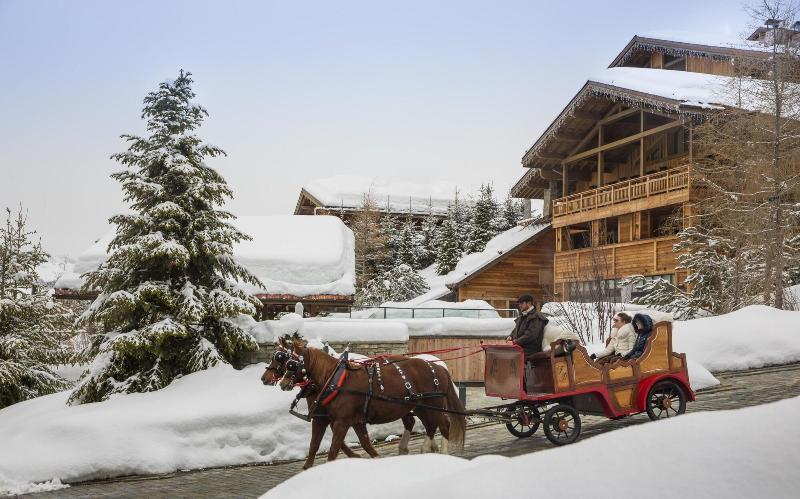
{"points": [[646, 257], [526, 270], [709, 66]]}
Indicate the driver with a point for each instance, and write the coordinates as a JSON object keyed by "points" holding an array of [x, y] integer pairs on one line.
{"points": [[529, 329]]}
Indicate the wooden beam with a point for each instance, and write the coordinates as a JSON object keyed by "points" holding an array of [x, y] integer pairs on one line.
{"points": [[600, 165], [585, 115], [568, 136], [610, 115], [619, 116], [564, 179], [621, 142], [641, 146]]}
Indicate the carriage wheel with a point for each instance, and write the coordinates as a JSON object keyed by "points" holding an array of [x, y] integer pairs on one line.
{"points": [[562, 424], [665, 400], [525, 423]]}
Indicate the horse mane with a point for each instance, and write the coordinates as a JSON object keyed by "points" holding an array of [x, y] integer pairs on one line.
{"points": [[316, 358]]}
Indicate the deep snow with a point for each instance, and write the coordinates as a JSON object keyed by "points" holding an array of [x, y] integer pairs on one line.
{"points": [[707, 454]]}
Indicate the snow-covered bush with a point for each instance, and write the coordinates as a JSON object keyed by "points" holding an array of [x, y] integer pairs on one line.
{"points": [[168, 290], [398, 284]]}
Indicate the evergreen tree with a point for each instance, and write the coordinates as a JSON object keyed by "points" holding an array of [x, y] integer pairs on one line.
{"points": [[460, 212], [429, 228], [401, 283], [33, 328], [448, 246], [168, 291], [409, 250], [483, 226], [391, 234], [511, 213]]}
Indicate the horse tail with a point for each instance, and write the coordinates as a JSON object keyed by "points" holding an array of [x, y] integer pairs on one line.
{"points": [[458, 422]]}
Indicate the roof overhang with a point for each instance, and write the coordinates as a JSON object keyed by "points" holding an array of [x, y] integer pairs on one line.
{"points": [[549, 149], [647, 44]]}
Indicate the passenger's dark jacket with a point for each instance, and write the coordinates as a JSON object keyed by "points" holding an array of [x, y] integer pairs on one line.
{"points": [[641, 335], [529, 331]]}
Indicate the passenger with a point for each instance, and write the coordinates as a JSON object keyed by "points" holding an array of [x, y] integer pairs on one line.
{"points": [[643, 325], [529, 329], [621, 342]]}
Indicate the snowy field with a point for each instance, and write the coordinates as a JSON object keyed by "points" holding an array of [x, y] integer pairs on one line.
{"points": [[704, 454], [223, 416]]}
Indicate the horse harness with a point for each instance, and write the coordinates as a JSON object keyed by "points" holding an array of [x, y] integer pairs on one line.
{"points": [[335, 385]]}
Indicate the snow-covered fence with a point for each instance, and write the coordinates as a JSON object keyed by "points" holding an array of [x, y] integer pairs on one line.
{"points": [[368, 312]]}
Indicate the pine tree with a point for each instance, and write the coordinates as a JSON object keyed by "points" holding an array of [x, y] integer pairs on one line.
{"points": [[401, 283], [429, 228], [483, 226], [460, 212], [511, 213], [410, 248], [448, 246], [33, 328], [168, 291]]}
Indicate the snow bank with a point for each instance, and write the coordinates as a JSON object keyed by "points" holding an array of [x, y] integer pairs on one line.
{"points": [[431, 309], [347, 192], [297, 255], [700, 455], [752, 337], [216, 417], [326, 329]]}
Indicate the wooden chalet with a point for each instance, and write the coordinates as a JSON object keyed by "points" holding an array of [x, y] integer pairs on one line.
{"points": [[614, 168], [522, 263]]}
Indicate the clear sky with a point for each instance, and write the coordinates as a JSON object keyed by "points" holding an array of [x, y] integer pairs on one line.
{"points": [[417, 91]]}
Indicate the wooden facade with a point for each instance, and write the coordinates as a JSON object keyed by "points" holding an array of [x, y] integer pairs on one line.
{"points": [[528, 268], [615, 171]]}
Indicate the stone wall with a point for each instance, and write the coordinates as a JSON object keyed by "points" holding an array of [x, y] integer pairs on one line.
{"points": [[266, 350]]}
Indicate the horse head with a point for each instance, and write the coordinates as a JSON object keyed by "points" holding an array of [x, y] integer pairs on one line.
{"points": [[276, 369], [295, 368]]}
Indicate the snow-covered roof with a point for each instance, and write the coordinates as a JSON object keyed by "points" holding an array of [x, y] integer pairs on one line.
{"points": [[291, 254], [679, 43], [347, 192], [498, 247]]}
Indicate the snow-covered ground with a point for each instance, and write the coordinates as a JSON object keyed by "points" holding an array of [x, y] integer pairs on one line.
{"points": [[707, 454], [211, 418], [223, 416]]}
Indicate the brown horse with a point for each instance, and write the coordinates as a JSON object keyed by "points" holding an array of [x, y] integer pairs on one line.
{"points": [[276, 369], [347, 409]]}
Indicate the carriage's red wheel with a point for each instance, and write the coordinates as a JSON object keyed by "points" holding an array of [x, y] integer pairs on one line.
{"points": [[562, 424], [526, 421], [665, 400]]}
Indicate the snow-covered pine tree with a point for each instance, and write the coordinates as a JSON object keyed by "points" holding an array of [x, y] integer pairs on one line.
{"points": [[401, 283], [483, 225], [409, 250], [33, 328], [429, 228], [168, 291], [511, 212], [448, 245], [460, 212], [389, 228]]}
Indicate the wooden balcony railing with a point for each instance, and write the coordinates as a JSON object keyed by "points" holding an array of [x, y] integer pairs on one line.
{"points": [[623, 192]]}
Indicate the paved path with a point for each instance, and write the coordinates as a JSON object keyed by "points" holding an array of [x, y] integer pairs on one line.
{"points": [[740, 389]]}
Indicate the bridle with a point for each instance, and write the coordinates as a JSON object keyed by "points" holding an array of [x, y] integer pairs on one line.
{"points": [[295, 369]]}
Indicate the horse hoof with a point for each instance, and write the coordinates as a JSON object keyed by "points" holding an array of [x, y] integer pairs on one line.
{"points": [[402, 452]]}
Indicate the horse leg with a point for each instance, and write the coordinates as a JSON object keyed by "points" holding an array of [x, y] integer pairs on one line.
{"points": [[408, 425], [444, 429], [428, 421], [318, 427], [363, 438], [339, 432]]}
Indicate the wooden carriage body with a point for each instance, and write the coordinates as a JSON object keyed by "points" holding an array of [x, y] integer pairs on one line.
{"points": [[614, 390]]}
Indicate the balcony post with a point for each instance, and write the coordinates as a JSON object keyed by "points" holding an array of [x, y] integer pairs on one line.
{"points": [[641, 144]]}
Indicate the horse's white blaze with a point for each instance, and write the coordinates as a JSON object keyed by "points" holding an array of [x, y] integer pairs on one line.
{"points": [[403, 447], [445, 446]]}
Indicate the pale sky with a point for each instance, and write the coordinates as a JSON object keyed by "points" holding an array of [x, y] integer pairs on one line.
{"points": [[414, 91]]}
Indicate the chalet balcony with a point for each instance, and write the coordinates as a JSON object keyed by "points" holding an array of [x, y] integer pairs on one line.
{"points": [[652, 256], [642, 193]]}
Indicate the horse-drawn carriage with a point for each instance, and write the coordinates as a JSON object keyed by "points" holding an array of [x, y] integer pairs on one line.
{"points": [[552, 389], [557, 386]]}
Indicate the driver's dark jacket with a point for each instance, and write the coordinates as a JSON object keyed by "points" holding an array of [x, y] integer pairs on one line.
{"points": [[529, 331]]}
